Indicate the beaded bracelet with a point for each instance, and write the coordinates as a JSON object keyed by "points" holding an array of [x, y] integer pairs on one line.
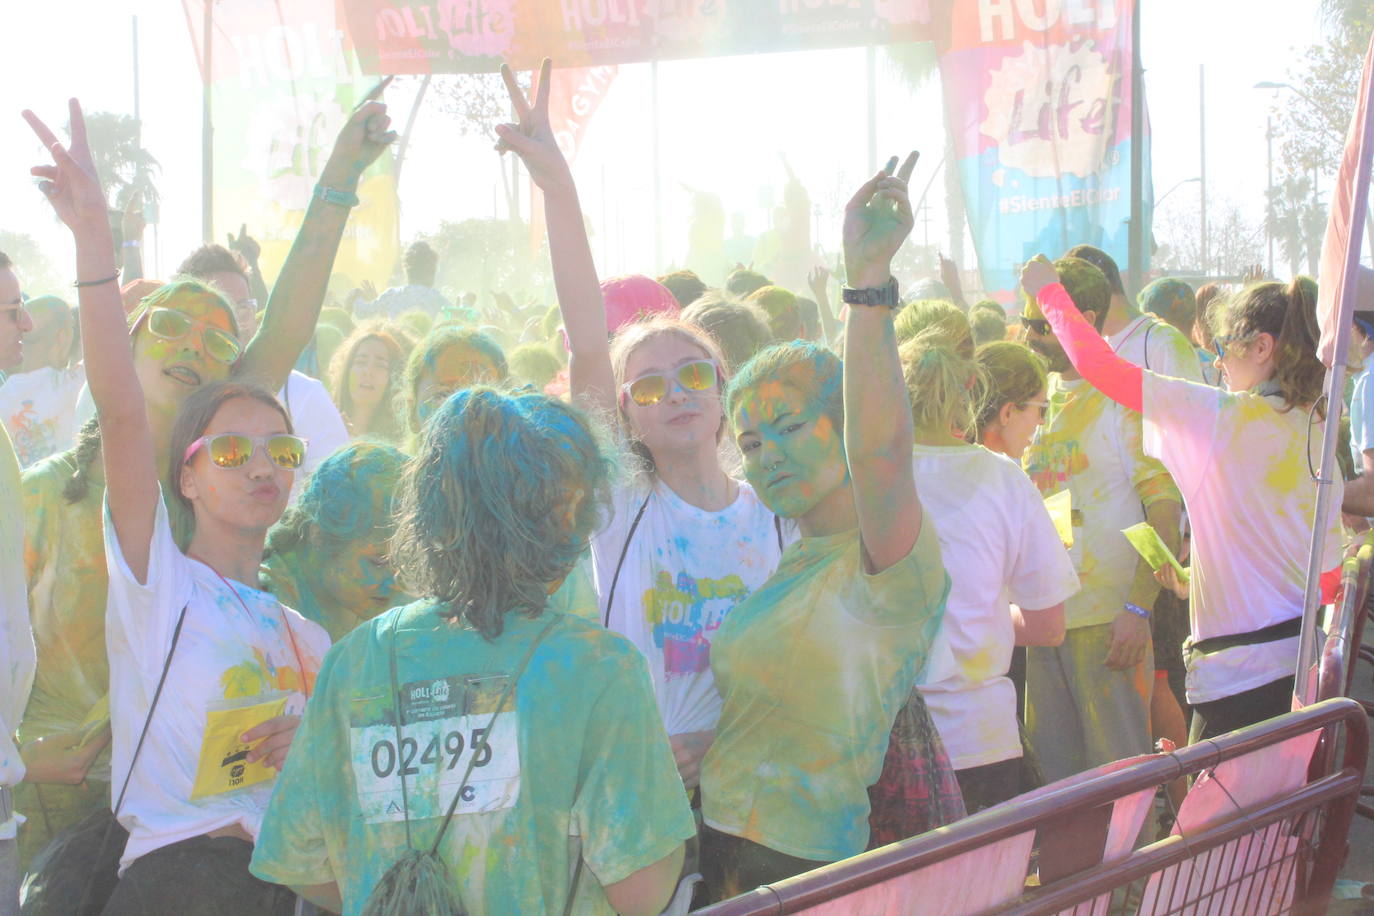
{"points": [[1138, 611]]}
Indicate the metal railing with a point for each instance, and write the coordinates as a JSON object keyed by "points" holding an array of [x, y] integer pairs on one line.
{"points": [[1278, 856]]}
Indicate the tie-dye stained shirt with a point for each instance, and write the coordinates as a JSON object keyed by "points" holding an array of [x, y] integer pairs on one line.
{"points": [[577, 763], [16, 637], [237, 645], [1241, 462], [814, 667], [685, 571], [1092, 446]]}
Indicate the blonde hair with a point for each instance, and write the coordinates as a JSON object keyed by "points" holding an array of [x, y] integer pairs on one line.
{"points": [[944, 385], [1013, 373], [939, 315], [635, 334]]}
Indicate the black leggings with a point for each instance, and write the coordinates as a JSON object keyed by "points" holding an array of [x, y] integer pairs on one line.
{"points": [[202, 876], [1217, 717]]}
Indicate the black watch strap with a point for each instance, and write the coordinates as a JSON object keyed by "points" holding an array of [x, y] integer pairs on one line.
{"points": [[885, 295]]}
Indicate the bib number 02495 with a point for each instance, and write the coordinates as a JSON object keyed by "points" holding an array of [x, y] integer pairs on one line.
{"points": [[432, 756]]}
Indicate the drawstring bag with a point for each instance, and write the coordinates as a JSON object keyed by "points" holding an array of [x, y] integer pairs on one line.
{"points": [[419, 882]]}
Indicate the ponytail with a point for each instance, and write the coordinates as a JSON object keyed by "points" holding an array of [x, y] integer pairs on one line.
{"points": [[1289, 315], [83, 456], [945, 387]]}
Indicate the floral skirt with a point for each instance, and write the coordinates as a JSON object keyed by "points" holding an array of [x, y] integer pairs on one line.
{"points": [[917, 790]]}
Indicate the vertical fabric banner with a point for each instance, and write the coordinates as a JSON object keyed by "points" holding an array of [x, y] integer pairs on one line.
{"points": [[284, 80], [1038, 99], [1345, 226], [574, 96]]}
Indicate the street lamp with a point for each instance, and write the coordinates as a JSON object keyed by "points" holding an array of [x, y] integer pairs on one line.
{"points": [[1159, 200]]}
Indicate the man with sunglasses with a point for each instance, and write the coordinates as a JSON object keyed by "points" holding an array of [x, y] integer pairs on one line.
{"points": [[17, 656], [1088, 700]]}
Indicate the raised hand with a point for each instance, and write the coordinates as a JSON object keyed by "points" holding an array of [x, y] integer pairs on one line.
{"points": [[877, 220], [131, 221], [245, 245], [1037, 274], [70, 183], [531, 138], [818, 280], [362, 139]]}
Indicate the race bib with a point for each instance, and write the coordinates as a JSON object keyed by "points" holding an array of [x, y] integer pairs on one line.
{"points": [[444, 725]]}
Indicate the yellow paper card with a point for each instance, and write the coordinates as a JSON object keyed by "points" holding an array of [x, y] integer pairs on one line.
{"points": [[224, 765], [1148, 544], [1060, 507]]}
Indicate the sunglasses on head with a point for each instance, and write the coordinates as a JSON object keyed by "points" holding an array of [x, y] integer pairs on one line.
{"points": [[1038, 325], [648, 390], [231, 450], [171, 324]]}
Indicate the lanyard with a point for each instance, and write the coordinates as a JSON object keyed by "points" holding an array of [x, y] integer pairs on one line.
{"points": [[290, 634]]}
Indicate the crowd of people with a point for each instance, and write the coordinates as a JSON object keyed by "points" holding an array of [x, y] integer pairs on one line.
{"points": [[675, 588]]}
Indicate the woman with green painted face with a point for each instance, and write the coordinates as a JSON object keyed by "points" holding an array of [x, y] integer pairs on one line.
{"points": [[539, 727], [446, 361], [184, 337], [328, 556], [816, 665]]}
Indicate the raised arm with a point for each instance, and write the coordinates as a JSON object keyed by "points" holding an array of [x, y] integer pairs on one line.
{"points": [[574, 271], [293, 308], [1091, 355], [131, 226], [248, 247], [131, 482], [878, 437]]}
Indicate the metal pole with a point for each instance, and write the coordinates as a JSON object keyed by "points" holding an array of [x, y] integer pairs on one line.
{"points": [[871, 65], [1202, 155], [1269, 206], [658, 200], [1136, 236], [138, 123], [207, 134]]}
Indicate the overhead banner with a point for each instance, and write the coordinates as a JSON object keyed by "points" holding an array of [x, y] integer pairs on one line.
{"points": [[1038, 99], [284, 80], [475, 36]]}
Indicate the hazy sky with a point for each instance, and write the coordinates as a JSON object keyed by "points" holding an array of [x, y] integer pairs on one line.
{"points": [[723, 123]]}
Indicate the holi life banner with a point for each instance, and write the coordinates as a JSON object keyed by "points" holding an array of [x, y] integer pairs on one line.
{"points": [[284, 79], [474, 36], [1037, 92], [1038, 99]]}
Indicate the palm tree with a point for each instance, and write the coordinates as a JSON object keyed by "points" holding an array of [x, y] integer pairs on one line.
{"points": [[122, 163], [1348, 17]]}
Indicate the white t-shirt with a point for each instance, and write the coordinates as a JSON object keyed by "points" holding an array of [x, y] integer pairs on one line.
{"points": [[1361, 417], [39, 410], [686, 569], [17, 654], [234, 650], [315, 419], [1241, 465], [999, 548], [1159, 347]]}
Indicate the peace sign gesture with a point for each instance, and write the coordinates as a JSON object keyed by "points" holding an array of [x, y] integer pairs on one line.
{"points": [[532, 138], [877, 220], [70, 184]]}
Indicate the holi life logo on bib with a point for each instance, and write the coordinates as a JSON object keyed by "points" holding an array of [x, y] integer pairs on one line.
{"points": [[1050, 109]]}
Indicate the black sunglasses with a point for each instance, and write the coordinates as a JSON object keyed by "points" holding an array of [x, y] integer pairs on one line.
{"points": [[1038, 325]]}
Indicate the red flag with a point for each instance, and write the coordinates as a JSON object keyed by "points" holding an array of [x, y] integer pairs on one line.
{"points": [[1337, 284], [574, 96]]}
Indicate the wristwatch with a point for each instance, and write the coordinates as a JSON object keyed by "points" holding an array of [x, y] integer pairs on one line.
{"points": [[880, 295], [335, 196]]}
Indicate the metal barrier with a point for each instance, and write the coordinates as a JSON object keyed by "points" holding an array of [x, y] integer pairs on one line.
{"points": [[1280, 855]]}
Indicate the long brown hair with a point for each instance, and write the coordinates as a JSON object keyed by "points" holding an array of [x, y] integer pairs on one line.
{"points": [[196, 413], [1289, 315], [386, 422]]}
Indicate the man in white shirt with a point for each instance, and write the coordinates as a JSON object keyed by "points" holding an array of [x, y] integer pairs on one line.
{"points": [[38, 402], [17, 656]]}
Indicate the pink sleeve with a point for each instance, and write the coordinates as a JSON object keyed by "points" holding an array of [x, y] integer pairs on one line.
{"points": [[1090, 354]]}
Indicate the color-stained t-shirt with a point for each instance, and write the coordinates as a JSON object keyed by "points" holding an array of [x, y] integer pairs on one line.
{"points": [[1241, 463], [1157, 346], [39, 410], [576, 763], [1092, 446], [813, 668], [1000, 548], [238, 647], [685, 570], [16, 637]]}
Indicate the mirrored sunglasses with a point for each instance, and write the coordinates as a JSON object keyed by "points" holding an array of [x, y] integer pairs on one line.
{"points": [[648, 390], [171, 324], [231, 450]]}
